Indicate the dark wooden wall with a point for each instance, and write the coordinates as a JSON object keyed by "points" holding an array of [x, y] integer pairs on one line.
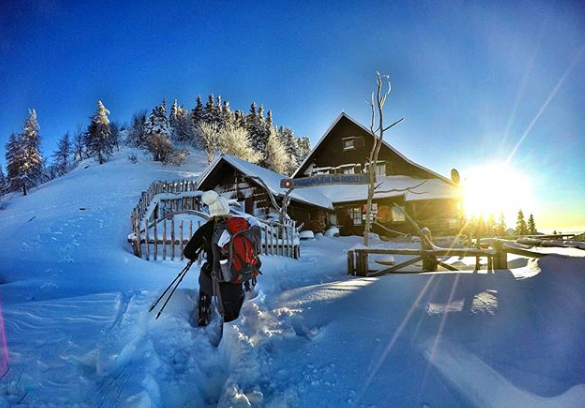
{"points": [[330, 152]]}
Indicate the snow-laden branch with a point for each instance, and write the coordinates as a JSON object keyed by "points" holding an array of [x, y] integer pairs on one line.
{"points": [[401, 190]]}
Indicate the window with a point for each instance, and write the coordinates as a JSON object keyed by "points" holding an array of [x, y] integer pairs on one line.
{"points": [[351, 143], [398, 215], [348, 170], [356, 215], [381, 169], [348, 143]]}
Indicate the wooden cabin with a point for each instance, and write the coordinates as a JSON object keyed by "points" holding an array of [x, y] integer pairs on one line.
{"points": [[431, 199], [345, 147], [237, 179]]}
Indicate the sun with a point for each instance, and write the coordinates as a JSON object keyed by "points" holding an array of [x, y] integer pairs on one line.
{"points": [[494, 189]]}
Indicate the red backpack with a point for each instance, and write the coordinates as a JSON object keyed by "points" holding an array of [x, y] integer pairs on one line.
{"points": [[238, 258]]}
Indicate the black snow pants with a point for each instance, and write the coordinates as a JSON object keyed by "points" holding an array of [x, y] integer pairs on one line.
{"points": [[232, 294]]}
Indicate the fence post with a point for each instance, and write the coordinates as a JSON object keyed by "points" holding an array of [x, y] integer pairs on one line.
{"points": [[350, 263], [181, 238], [501, 257], [146, 240], [173, 239], [155, 239], [165, 240], [429, 262]]}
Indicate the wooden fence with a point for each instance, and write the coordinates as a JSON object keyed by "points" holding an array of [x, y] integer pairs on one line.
{"points": [[166, 239], [497, 257], [157, 234]]}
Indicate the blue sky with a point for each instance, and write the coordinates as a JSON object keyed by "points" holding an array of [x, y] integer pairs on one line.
{"points": [[471, 78]]}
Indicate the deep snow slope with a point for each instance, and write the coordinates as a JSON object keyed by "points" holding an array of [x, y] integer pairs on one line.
{"points": [[78, 333]]}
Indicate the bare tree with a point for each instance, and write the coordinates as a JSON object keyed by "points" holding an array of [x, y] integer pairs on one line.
{"points": [[383, 89]]}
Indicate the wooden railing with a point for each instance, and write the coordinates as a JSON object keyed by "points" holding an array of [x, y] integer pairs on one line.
{"points": [[497, 257], [158, 234]]}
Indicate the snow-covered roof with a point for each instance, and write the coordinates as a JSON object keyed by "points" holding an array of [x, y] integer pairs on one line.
{"points": [[345, 115], [272, 180], [327, 196], [430, 189]]}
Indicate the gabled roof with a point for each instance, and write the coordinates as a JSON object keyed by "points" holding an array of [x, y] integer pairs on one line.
{"points": [[366, 130], [272, 180], [328, 195]]}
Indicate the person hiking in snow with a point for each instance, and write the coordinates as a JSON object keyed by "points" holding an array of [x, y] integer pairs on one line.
{"points": [[206, 239]]}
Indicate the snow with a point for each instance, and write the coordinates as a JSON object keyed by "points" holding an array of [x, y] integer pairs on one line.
{"points": [[78, 333], [328, 195]]}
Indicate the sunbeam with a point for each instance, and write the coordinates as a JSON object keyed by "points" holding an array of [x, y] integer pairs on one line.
{"points": [[545, 104], [439, 333], [397, 334]]}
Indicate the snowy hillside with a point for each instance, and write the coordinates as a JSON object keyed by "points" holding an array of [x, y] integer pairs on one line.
{"points": [[78, 332]]}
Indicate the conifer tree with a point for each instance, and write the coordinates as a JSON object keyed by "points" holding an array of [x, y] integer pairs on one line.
{"points": [[198, 112], [211, 111], [501, 226], [521, 228], [532, 226], [174, 119], [61, 155], [158, 137], [3, 182], [303, 148], [136, 134], [114, 139], [33, 160], [98, 134], [256, 126], [490, 227], [15, 163]]}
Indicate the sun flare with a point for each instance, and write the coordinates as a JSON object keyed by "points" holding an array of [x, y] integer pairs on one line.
{"points": [[495, 189]]}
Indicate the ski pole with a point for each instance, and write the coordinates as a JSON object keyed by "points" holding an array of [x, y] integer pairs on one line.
{"points": [[168, 287], [184, 272]]}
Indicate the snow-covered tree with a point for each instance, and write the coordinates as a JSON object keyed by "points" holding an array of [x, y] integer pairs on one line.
{"points": [[531, 226], [303, 148], [79, 144], [3, 186], [115, 135], [181, 125], [198, 112], [211, 135], [160, 146], [211, 112], [256, 126], [157, 122], [98, 134], [229, 139], [15, 163], [61, 156], [276, 158], [33, 160], [23, 156], [158, 137], [521, 227], [3, 182], [136, 133]]}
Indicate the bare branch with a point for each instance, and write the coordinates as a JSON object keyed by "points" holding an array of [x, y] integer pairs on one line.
{"points": [[400, 190], [394, 124]]}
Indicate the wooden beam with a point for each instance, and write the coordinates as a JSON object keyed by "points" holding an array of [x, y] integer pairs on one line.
{"points": [[396, 267], [436, 251]]}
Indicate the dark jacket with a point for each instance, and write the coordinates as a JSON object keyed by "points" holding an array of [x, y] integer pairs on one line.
{"points": [[232, 295], [201, 240]]}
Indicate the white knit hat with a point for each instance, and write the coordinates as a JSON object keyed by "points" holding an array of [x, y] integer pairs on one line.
{"points": [[218, 206]]}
